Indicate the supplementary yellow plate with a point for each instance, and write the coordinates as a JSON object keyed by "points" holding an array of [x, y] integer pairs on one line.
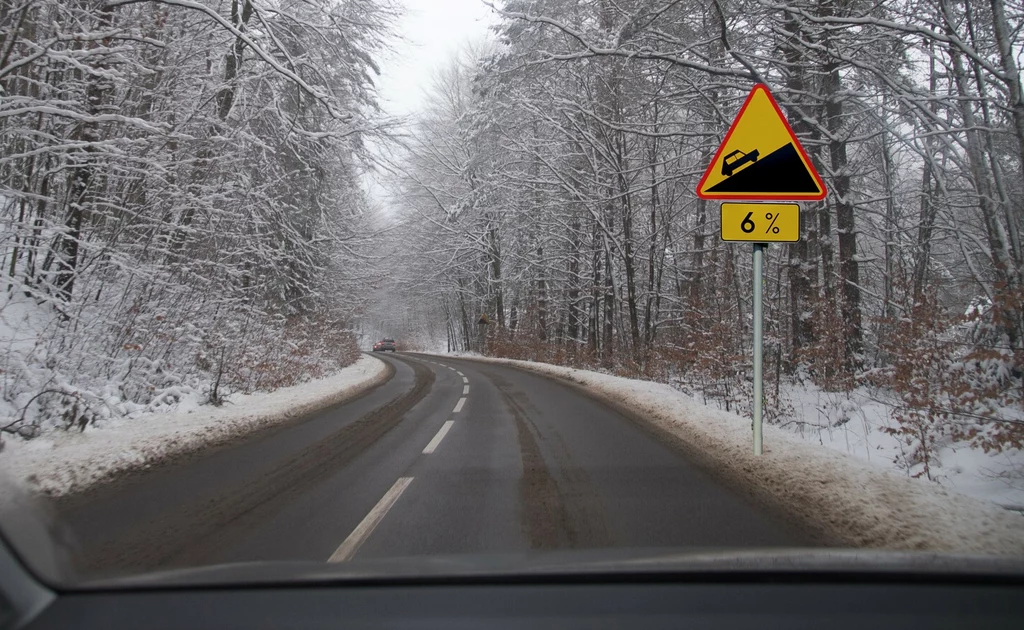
{"points": [[761, 222]]}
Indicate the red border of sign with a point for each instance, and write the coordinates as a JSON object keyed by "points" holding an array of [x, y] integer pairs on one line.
{"points": [[763, 196]]}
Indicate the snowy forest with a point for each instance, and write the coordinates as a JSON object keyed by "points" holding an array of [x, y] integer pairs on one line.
{"points": [[550, 192], [184, 206], [181, 202]]}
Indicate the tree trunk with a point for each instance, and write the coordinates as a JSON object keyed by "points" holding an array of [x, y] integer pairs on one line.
{"points": [[495, 255], [801, 294], [630, 269], [849, 267], [593, 337], [233, 60], [66, 253], [926, 217], [652, 251], [609, 306], [574, 280], [1002, 31], [542, 297], [998, 242]]}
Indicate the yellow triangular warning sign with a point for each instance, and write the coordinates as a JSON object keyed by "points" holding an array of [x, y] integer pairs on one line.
{"points": [[760, 157]]}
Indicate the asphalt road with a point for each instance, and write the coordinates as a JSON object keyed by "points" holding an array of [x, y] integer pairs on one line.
{"points": [[447, 457]]}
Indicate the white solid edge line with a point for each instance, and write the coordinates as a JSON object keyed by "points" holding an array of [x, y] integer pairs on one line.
{"points": [[445, 428], [465, 380], [458, 405], [355, 540], [465, 389]]}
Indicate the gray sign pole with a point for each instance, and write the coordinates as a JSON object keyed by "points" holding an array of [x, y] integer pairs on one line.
{"points": [[758, 342]]}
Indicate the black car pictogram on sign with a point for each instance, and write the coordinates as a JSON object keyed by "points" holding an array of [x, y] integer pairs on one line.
{"points": [[737, 159]]}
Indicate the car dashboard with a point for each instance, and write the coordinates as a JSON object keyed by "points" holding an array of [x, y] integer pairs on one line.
{"points": [[783, 589]]}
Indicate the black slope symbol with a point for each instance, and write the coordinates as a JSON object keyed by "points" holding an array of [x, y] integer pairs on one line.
{"points": [[781, 171]]}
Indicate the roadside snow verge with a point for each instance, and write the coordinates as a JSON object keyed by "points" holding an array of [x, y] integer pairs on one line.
{"points": [[64, 463], [838, 497]]}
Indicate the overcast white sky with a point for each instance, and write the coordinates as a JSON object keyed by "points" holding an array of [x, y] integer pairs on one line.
{"points": [[433, 30]]}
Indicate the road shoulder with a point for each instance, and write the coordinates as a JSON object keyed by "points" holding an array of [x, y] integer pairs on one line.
{"points": [[67, 463]]}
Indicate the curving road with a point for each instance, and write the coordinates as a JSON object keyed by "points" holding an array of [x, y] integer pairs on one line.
{"points": [[449, 456]]}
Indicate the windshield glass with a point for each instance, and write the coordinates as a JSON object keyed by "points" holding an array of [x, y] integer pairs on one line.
{"points": [[430, 285]]}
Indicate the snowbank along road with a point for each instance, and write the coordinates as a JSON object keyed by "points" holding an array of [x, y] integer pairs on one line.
{"points": [[449, 456]]}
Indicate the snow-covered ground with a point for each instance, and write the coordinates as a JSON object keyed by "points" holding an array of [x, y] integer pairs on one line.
{"points": [[62, 462], [860, 423], [856, 424], [851, 490]]}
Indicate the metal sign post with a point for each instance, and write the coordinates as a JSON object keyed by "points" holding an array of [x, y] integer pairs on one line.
{"points": [[758, 343], [760, 159]]}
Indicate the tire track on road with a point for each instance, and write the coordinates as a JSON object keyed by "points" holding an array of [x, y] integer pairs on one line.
{"points": [[187, 537], [554, 517]]}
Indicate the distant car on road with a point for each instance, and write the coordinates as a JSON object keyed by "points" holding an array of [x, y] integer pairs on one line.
{"points": [[384, 345]]}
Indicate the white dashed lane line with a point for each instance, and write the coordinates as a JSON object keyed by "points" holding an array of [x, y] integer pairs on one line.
{"points": [[445, 428], [355, 540], [362, 531]]}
